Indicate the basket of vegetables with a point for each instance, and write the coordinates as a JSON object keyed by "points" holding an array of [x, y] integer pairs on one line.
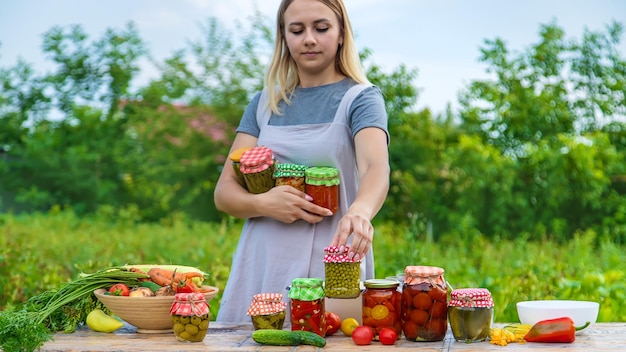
{"points": [[147, 305]]}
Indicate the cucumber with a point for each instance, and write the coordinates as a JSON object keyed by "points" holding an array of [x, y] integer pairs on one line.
{"points": [[151, 285], [287, 338]]}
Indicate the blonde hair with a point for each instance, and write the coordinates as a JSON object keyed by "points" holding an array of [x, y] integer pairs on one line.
{"points": [[282, 78]]}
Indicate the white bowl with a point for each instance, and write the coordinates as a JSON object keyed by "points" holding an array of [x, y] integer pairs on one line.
{"points": [[581, 312]]}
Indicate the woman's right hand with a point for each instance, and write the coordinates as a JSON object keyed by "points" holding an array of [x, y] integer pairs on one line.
{"points": [[288, 204]]}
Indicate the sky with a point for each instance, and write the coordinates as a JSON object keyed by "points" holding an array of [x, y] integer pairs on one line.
{"points": [[441, 39]]}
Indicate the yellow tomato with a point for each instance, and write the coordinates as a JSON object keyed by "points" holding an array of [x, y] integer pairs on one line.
{"points": [[380, 312], [348, 325]]}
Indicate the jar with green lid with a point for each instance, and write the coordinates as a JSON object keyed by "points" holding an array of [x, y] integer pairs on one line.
{"points": [[322, 184], [257, 167], [307, 305], [190, 317], [290, 175], [235, 157], [343, 274], [470, 313], [267, 311], [381, 306]]}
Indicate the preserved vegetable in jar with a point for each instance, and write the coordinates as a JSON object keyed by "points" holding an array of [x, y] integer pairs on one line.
{"points": [[267, 311], [424, 304], [343, 275], [470, 313], [307, 305], [322, 184], [235, 156], [257, 167], [190, 317], [381, 306], [290, 175]]}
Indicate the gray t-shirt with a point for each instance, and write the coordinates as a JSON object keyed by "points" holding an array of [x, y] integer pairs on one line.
{"points": [[318, 105]]}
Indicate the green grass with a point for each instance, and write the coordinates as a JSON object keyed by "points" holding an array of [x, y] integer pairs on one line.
{"points": [[40, 252]]}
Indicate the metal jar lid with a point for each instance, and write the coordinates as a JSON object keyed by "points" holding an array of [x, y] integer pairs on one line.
{"points": [[381, 283]]}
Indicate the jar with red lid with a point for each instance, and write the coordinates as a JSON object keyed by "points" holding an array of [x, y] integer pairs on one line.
{"points": [[322, 184], [290, 175], [257, 167], [307, 305], [424, 304], [342, 274], [381, 306], [470, 313], [267, 311], [190, 317]]}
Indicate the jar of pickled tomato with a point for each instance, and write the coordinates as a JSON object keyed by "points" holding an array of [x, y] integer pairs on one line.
{"points": [[307, 305], [381, 305], [267, 311], [424, 304], [322, 184], [190, 317], [343, 274], [470, 313]]}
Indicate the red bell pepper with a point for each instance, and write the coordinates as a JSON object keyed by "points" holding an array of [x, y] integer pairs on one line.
{"points": [[554, 330]]}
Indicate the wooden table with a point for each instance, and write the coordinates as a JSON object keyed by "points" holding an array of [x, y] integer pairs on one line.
{"points": [[237, 337]]}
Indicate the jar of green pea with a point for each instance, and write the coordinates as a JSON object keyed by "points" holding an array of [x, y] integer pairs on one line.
{"points": [[343, 275]]}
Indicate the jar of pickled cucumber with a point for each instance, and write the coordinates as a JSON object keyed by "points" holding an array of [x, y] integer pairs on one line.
{"points": [[268, 311], [307, 305], [470, 313], [343, 275], [235, 157], [290, 175], [424, 304], [257, 167], [322, 184], [190, 317], [381, 305]]}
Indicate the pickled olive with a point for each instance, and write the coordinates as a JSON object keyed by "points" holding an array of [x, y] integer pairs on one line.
{"points": [[190, 317]]}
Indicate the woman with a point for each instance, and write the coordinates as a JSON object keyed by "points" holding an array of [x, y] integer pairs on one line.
{"points": [[317, 109]]}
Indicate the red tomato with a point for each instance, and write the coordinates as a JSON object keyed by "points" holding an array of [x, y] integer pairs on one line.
{"points": [[363, 335], [119, 290], [387, 336], [333, 323]]}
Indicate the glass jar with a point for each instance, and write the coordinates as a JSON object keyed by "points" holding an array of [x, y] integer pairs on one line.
{"points": [[190, 317], [257, 167], [235, 157], [290, 175], [381, 305], [267, 311], [307, 305], [322, 184], [424, 304], [470, 313], [343, 275]]}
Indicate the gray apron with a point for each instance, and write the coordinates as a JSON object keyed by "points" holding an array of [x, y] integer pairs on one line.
{"points": [[270, 254]]}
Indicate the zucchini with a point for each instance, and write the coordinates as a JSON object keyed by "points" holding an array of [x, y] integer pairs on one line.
{"points": [[287, 338]]}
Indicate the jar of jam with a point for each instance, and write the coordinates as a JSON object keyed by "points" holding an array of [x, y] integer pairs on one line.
{"points": [[235, 157], [424, 304], [381, 305], [343, 275], [322, 184], [307, 305], [257, 167], [190, 317], [470, 313], [290, 175], [268, 311]]}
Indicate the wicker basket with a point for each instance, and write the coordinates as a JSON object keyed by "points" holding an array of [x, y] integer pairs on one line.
{"points": [[147, 314]]}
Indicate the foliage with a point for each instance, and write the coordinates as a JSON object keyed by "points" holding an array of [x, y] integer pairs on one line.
{"points": [[513, 270]]}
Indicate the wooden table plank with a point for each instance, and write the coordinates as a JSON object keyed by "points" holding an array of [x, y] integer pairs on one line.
{"points": [[237, 337]]}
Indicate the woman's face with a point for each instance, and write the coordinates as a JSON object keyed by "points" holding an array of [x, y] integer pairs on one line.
{"points": [[313, 35]]}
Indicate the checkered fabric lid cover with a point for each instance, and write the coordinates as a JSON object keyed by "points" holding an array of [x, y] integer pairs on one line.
{"points": [[188, 304], [418, 274], [256, 160], [471, 298], [306, 289], [266, 303], [289, 170], [334, 255]]}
